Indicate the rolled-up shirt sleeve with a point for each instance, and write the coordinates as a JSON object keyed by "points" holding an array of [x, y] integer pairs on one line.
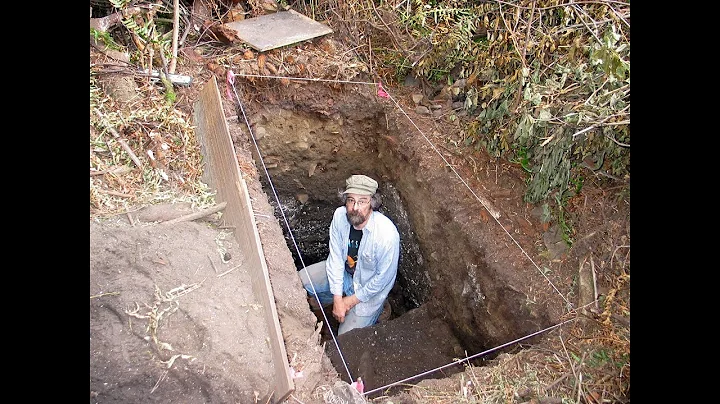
{"points": [[335, 264]]}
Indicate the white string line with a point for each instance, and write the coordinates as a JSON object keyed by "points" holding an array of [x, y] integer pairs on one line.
{"points": [[305, 79], [467, 358], [287, 224]]}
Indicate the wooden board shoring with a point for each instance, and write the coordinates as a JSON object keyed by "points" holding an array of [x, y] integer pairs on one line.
{"points": [[225, 178]]}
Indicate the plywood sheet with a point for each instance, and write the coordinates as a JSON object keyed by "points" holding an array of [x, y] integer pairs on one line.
{"points": [[274, 30], [224, 177]]}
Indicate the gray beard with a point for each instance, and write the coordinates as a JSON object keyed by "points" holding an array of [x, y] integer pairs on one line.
{"points": [[355, 218]]}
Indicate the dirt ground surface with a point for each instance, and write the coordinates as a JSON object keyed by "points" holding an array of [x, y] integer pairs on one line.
{"points": [[173, 315], [173, 318]]}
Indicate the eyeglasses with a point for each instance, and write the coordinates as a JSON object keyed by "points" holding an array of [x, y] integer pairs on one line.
{"points": [[359, 202]]}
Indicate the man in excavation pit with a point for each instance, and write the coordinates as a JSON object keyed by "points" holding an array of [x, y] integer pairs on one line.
{"points": [[362, 264]]}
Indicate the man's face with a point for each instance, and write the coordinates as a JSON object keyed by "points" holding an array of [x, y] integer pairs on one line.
{"points": [[358, 208]]}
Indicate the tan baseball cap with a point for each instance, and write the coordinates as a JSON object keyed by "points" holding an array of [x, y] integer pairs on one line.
{"points": [[361, 185]]}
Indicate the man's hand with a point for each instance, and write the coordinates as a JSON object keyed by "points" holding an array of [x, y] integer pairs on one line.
{"points": [[341, 305], [339, 308], [350, 302]]}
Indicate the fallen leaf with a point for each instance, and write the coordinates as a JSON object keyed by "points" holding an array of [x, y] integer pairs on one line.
{"points": [[484, 215], [271, 67], [216, 69], [192, 54], [224, 34], [235, 14]]}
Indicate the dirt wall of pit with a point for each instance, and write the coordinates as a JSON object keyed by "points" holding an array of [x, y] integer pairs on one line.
{"points": [[317, 136]]}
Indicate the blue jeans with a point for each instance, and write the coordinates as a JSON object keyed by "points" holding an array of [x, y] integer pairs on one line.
{"points": [[319, 279]]}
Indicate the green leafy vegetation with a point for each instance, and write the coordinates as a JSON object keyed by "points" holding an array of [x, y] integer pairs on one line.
{"points": [[151, 35], [105, 38], [546, 83]]}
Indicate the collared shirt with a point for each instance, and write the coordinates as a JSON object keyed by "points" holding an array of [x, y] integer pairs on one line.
{"points": [[377, 263]]}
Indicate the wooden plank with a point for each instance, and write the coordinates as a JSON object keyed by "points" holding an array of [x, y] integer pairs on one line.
{"points": [[224, 176], [274, 30]]}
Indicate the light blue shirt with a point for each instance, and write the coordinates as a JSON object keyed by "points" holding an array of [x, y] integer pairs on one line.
{"points": [[377, 261]]}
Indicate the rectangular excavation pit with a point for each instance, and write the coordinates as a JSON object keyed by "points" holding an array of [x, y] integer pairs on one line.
{"points": [[308, 155], [450, 267]]}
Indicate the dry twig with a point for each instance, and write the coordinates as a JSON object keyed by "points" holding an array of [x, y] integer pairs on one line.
{"points": [[105, 294], [229, 270], [213, 264], [197, 215], [176, 28], [119, 139]]}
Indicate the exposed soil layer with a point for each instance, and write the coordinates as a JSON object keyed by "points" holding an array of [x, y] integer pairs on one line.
{"points": [[457, 257], [390, 352]]}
